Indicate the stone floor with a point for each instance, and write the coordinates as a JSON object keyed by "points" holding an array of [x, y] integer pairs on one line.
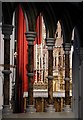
{"points": [[41, 115]]}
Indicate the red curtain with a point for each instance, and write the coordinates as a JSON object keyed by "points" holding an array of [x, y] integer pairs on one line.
{"points": [[22, 58], [38, 39], [40, 29]]}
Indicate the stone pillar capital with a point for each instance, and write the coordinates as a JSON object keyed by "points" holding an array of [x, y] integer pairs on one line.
{"points": [[67, 79], [30, 36], [50, 42], [7, 30], [67, 46], [50, 77], [7, 72]]}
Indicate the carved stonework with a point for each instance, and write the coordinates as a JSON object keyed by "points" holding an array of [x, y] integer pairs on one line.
{"points": [[40, 85]]}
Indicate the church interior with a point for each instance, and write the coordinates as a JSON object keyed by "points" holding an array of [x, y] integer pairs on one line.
{"points": [[41, 59]]}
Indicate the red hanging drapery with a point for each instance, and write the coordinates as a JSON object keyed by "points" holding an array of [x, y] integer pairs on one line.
{"points": [[38, 39], [22, 58], [22, 55]]}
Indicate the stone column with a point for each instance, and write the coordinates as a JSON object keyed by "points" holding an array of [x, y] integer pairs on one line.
{"points": [[81, 54], [50, 42], [30, 68], [67, 48], [6, 31], [0, 61], [80, 85]]}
